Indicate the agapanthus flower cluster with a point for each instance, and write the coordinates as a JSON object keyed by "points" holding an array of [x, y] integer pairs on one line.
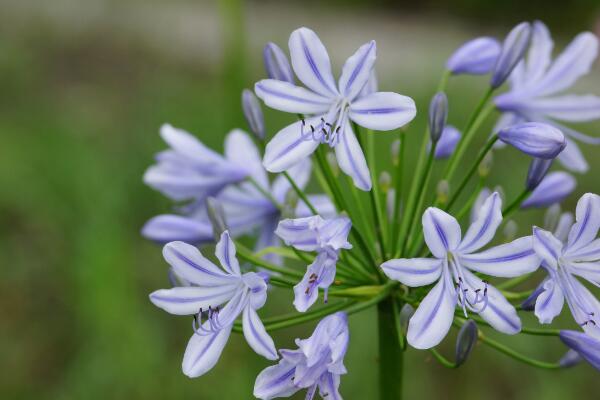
{"points": [[399, 248]]}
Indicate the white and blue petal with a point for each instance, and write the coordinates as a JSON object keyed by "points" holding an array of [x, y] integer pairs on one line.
{"points": [[383, 111], [290, 145], [189, 263], [240, 150], [351, 159], [225, 252], [553, 189], [585, 345], [572, 158], [547, 247], [549, 303], [433, 318], [506, 260], [357, 70], [574, 108], [413, 272], [276, 381], [203, 352], [311, 62], [300, 232], [256, 335], [587, 217], [189, 300], [329, 385], [483, 228], [441, 232], [284, 96]]}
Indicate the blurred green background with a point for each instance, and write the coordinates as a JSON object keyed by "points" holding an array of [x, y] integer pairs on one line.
{"points": [[84, 87]]}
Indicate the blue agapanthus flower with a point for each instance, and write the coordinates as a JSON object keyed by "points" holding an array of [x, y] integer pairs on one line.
{"points": [[330, 107], [220, 295], [579, 256], [316, 365], [536, 87], [454, 257]]}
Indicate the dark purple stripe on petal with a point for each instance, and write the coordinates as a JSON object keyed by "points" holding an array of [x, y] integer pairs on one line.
{"points": [[355, 168], [586, 219], [510, 257], [486, 224], [440, 231], [313, 65], [289, 96], [194, 265], [183, 300], [438, 304], [258, 337], [388, 110], [502, 316], [359, 66]]}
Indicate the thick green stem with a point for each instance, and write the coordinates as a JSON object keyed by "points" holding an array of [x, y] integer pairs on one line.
{"points": [[390, 352]]}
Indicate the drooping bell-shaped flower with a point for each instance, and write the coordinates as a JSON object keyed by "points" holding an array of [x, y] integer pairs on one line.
{"points": [[476, 57], [220, 295], [325, 236], [578, 257], [454, 257], [330, 108], [316, 365], [536, 84]]}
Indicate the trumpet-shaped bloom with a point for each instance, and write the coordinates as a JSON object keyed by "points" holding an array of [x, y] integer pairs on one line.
{"points": [[537, 82], [316, 364], [331, 107], [578, 257], [325, 236], [220, 295], [454, 259]]}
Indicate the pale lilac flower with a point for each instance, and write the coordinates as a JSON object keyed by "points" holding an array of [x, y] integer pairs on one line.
{"points": [[585, 345], [447, 143], [537, 82], [190, 170], [513, 49], [535, 139], [222, 294], [453, 260], [553, 189], [579, 256], [325, 236], [477, 57], [331, 107], [316, 365]]}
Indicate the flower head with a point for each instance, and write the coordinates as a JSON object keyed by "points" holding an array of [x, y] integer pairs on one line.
{"points": [[331, 107], [536, 84], [218, 294], [453, 260], [325, 236], [316, 364], [578, 257]]}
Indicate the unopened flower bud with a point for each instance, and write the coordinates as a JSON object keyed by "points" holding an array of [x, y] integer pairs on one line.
{"points": [[442, 191], [570, 359], [290, 204], [447, 143], [216, 215], [253, 114], [535, 139], [395, 150], [513, 50], [438, 115], [333, 164], [510, 230], [536, 173], [477, 57], [277, 64], [466, 339], [485, 166], [385, 181], [406, 314], [553, 189]]}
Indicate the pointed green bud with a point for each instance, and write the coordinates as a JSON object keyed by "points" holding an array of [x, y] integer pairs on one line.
{"points": [[485, 166], [395, 150], [510, 230], [442, 191], [385, 181], [406, 314]]}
